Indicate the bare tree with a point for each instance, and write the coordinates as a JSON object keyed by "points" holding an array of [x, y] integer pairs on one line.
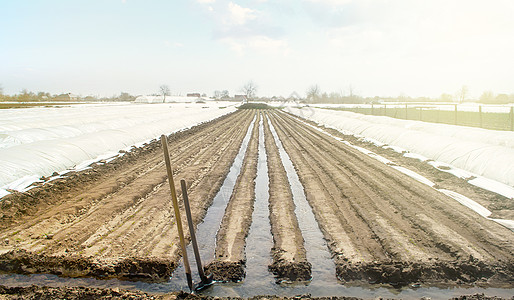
{"points": [[350, 92], [445, 97], [462, 93], [164, 90], [221, 94], [249, 89], [487, 97], [313, 93]]}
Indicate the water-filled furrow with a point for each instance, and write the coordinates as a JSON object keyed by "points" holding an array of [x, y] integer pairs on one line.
{"points": [[206, 231], [258, 281], [259, 241], [323, 268]]}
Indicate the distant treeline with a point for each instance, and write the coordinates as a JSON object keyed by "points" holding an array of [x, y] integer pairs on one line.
{"points": [[313, 95], [28, 96], [487, 97]]}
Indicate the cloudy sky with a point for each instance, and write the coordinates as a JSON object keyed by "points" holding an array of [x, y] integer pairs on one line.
{"points": [[379, 47]]}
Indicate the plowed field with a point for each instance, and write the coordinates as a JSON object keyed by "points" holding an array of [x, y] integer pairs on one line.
{"points": [[380, 226]]}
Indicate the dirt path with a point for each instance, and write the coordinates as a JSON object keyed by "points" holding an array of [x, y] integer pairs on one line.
{"points": [[119, 222], [383, 226]]}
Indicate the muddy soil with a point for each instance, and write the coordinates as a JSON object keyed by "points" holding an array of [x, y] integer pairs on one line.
{"points": [[289, 256], [384, 227], [116, 219], [381, 226], [500, 206], [230, 258], [50, 293]]}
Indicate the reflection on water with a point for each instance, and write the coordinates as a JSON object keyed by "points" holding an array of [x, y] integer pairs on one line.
{"points": [[323, 267], [259, 241], [258, 280], [243, 290]]}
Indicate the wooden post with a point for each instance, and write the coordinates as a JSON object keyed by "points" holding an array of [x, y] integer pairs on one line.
{"points": [[192, 231], [178, 220], [455, 114], [480, 116], [512, 118]]}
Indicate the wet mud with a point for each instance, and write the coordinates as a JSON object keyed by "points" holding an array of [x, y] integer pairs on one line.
{"points": [[384, 227], [116, 219], [289, 255], [230, 258], [380, 226]]}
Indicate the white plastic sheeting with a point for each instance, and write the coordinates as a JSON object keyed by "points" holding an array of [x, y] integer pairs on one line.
{"points": [[484, 152], [36, 142]]}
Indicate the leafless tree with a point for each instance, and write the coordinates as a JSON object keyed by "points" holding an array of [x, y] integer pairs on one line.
{"points": [[164, 90], [462, 93], [249, 89], [221, 94], [313, 93], [350, 92], [487, 97]]}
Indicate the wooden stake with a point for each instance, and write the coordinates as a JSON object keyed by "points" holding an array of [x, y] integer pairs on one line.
{"points": [[164, 142], [192, 231]]}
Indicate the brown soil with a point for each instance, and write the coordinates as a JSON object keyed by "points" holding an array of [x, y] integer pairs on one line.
{"points": [[230, 258], [384, 227], [500, 206], [381, 226], [289, 258], [50, 293], [116, 220]]}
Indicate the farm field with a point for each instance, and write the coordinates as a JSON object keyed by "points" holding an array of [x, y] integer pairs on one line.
{"points": [[376, 225], [496, 117]]}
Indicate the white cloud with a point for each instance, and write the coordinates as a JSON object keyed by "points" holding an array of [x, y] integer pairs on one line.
{"points": [[173, 45], [239, 15], [331, 2], [260, 43]]}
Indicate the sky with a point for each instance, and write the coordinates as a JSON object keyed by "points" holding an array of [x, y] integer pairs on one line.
{"points": [[377, 47]]}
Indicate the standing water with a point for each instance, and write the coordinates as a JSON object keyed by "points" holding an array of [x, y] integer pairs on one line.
{"points": [[207, 230], [323, 268], [258, 280]]}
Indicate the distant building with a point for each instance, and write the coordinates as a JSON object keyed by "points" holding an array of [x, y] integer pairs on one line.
{"points": [[67, 97], [196, 95]]}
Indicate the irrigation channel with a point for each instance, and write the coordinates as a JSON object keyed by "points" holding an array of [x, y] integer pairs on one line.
{"points": [[276, 216]]}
